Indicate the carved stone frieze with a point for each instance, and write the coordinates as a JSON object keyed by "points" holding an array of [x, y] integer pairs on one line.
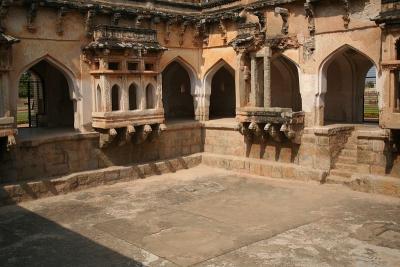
{"points": [[283, 42]]}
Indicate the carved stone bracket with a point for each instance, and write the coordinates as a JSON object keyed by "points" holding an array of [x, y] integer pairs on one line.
{"points": [[167, 34], [4, 7], [281, 43], [346, 16], [60, 20], [31, 16], [183, 28], [222, 28], [275, 124], [284, 13], [310, 15], [89, 24]]}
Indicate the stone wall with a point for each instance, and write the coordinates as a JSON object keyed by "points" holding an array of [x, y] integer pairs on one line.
{"points": [[47, 157]]}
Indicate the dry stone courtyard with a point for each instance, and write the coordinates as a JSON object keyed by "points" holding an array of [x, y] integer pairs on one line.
{"points": [[204, 217]]}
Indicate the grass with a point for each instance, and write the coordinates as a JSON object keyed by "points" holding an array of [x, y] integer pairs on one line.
{"points": [[22, 117]]}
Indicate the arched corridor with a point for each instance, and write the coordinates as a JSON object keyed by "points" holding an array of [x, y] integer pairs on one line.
{"points": [[222, 98], [44, 98], [285, 89], [177, 98], [344, 82]]}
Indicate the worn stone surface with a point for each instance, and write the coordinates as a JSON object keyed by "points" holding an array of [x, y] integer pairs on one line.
{"points": [[203, 217]]}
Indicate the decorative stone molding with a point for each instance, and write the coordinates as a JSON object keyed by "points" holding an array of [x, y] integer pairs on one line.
{"points": [[183, 28], [222, 28]]}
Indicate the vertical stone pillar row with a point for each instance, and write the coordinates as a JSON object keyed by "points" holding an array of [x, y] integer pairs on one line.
{"points": [[267, 77]]}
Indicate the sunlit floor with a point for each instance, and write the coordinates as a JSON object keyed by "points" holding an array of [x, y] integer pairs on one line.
{"points": [[204, 217]]}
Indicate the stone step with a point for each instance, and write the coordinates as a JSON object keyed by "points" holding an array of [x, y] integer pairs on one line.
{"points": [[344, 174], [346, 167], [346, 160], [348, 153], [350, 146], [333, 179]]}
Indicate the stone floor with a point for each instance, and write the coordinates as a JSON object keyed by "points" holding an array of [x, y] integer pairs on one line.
{"points": [[204, 217]]}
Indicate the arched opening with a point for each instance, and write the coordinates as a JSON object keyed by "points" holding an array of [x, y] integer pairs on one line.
{"points": [[44, 98], [371, 97], [132, 97], [150, 97], [115, 93], [285, 89], [98, 99], [177, 98], [222, 98], [346, 77]]}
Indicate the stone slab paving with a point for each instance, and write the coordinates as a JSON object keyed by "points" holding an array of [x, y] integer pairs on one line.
{"points": [[204, 217]]}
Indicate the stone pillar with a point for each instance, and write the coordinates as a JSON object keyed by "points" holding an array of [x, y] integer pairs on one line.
{"points": [[240, 86], [254, 81], [158, 93], [267, 77]]}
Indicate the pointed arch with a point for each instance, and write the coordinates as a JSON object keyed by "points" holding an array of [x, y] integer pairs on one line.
{"points": [[150, 96], [211, 72], [341, 87], [99, 99], [115, 97], [219, 86], [74, 91], [194, 81], [133, 96], [285, 84]]}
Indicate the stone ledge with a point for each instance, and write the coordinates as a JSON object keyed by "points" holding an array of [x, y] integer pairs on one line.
{"points": [[14, 193], [68, 136], [331, 129], [384, 185], [265, 168]]}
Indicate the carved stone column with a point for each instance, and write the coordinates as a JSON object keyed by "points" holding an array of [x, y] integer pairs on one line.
{"points": [[267, 77], [240, 82], [254, 81]]}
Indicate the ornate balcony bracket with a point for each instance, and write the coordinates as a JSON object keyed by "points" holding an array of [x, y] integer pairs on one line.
{"points": [[277, 124]]}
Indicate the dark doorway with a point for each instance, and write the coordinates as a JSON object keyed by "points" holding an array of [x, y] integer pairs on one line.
{"points": [[44, 98], [222, 99], [177, 98]]}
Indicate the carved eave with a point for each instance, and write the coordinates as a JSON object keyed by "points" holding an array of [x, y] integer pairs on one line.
{"points": [[124, 38], [389, 18], [249, 38], [283, 42], [7, 40]]}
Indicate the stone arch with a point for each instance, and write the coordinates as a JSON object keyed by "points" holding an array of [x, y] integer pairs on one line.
{"points": [[115, 97], [99, 99], [285, 84], [219, 87], [133, 100], [341, 87], [73, 87], [150, 92], [177, 91], [69, 75], [194, 81]]}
